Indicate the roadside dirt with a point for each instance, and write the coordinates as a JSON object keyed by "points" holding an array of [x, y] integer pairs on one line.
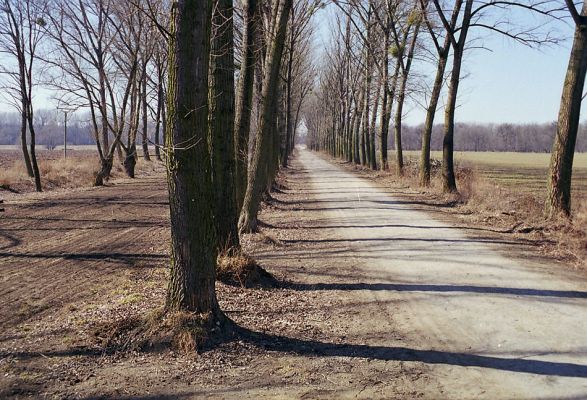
{"points": [[378, 300], [501, 212]]}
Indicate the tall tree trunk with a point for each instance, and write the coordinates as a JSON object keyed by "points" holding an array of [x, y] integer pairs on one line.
{"points": [[244, 102], [164, 120], [23, 144], [104, 110], [449, 184], [158, 118], [558, 201], [143, 92], [372, 150], [385, 115], [36, 172], [288, 99], [191, 198], [278, 136], [430, 114], [221, 101], [365, 122], [130, 156], [400, 102], [357, 130], [257, 177]]}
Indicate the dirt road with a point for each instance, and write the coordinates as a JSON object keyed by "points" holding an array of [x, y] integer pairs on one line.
{"points": [[487, 325], [383, 298]]}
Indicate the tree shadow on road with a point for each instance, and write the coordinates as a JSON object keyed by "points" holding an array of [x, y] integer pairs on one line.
{"points": [[397, 353], [314, 348], [402, 287]]}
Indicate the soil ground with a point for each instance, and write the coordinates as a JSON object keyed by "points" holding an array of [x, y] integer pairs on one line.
{"points": [[381, 296]]}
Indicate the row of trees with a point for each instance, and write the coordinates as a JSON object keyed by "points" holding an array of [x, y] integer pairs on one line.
{"points": [[227, 140], [222, 82], [534, 137], [104, 57], [369, 74]]}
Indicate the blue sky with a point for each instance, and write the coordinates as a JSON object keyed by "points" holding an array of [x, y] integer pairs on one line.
{"points": [[510, 83]]}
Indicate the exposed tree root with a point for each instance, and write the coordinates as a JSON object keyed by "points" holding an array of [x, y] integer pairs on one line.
{"points": [[180, 331]]}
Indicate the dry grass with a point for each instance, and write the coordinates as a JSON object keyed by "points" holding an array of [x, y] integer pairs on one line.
{"points": [[241, 269], [13, 176], [78, 170], [70, 173], [181, 331]]}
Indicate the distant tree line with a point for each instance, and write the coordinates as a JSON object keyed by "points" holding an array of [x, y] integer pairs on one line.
{"points": [[50, 128], [526, 138], [531, 138]]}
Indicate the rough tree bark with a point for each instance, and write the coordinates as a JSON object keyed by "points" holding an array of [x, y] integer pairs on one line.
{"points": [[372, 150], [221, 109], [401, 95], [160, 100], [143, 91], [449, 184], [558, 201], [244, 102], [431, 113], [443, 53], [191, 198], [257, 178]]}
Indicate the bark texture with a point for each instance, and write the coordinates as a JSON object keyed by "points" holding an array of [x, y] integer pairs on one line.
{"points": [[191, 199], [260, 163], [244, 103], [221, 102], [558, 201]]}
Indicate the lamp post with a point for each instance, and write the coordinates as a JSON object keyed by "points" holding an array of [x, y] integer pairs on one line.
{"points": [[65, 136], [67, 111]]}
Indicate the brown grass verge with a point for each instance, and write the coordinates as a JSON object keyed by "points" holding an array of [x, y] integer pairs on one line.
{"points": [[74, 172]]}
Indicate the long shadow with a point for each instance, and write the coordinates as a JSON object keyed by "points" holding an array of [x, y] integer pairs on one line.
{"points": [[361, 207], [13, 241], [401, 287], [351, 226], [449, 204], [399, 353], [70, 352], [385, 353], [82, 202], [87, 256], [172, 396], [401, 239], [89, 220]]}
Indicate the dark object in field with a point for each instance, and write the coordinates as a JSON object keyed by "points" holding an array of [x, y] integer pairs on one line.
{"points": [[1, 208], [8, 188]]}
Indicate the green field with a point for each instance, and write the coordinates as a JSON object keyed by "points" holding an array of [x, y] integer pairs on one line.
{"points": [[524, 171]]}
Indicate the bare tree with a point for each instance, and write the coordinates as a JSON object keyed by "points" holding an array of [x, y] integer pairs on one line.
{"points": [[244, 98], [222, 114], [261, 162], [443, 53], [561, 164], [21, 31], [191, 196]]}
